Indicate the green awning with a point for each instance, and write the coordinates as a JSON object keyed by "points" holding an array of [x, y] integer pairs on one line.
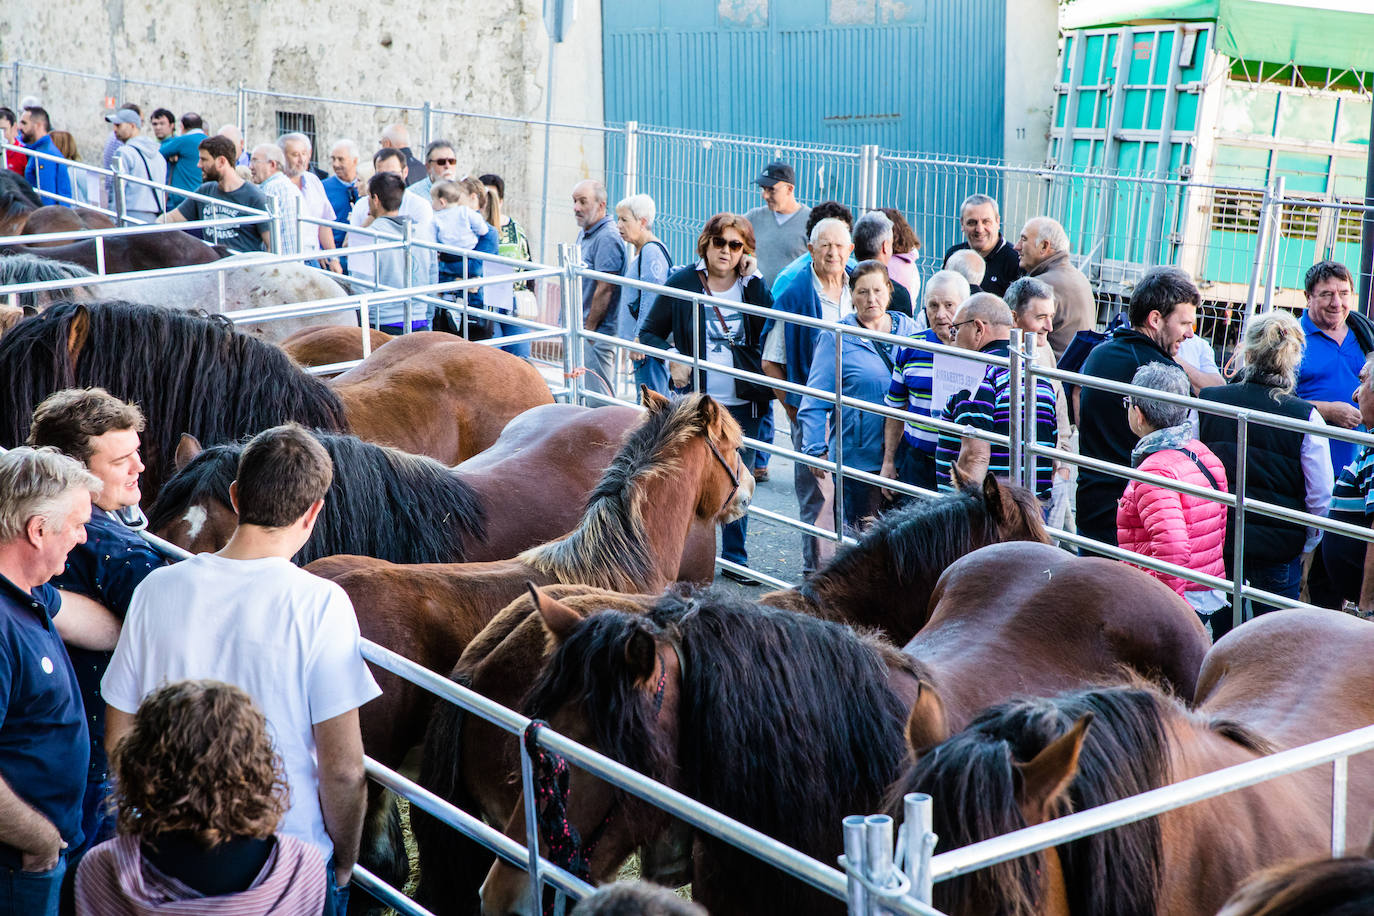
{"points": [[1310, 33]]}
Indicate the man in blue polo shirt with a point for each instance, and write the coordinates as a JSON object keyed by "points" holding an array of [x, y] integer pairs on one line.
{"points": [[101, 431], [602, 250], [1337, 341], [45, 502]]}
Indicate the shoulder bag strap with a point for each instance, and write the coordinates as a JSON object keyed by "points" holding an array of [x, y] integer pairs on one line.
{"points": [[1201, 467]]}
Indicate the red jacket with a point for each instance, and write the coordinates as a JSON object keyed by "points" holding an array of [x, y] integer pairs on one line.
{"points": [[1164, 524]]}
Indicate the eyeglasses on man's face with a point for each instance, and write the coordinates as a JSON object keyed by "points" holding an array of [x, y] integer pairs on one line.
{"points": [[954, 328], [721, 242], [448, 161]]}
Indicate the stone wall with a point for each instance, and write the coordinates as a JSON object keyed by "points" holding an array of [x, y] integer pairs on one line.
{"points": [[459, 55]]}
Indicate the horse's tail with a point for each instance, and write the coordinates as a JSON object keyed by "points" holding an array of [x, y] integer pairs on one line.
{"points": [[452, 867]]}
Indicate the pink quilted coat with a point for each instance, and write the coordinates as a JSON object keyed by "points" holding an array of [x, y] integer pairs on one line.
{"points": [[1167, 525]]}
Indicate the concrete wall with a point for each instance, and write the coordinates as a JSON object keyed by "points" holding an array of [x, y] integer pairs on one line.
{"points": [[462, 55]]}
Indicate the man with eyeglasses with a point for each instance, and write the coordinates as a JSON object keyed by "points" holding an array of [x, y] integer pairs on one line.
{"points": [[1337, 342], [441, 164]]}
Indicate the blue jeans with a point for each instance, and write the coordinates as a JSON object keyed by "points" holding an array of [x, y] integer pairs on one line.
{"points": [[97, 820], [765, 435], [510, 330], [335, 897], [651, 373], [732, 535], [1281, 578], [25, 893]]}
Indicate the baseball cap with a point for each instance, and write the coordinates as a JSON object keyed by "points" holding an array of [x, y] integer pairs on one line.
{"points": [[774, 172], [124, 116]]}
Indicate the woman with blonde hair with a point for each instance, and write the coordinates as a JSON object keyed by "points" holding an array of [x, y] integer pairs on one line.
{"points": [[1284, 467], [200, 793]]}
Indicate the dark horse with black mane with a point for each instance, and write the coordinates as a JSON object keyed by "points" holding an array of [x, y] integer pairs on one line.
{"points": [[382, 503], [188, 373], [782, 721]]}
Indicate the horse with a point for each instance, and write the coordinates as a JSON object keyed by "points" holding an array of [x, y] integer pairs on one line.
{"points": [[682, 694], [126, 253], [1029, 760], [325, 346], [188, 373], [246, 285], [418, 394], [60, 218], [1029, 619], [17, 200], [1320, 887], [381, 503], [671, 469], [885, 581], [528, 488]]}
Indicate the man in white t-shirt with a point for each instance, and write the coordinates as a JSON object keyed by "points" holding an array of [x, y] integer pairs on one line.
{"points": [[247, 616]]}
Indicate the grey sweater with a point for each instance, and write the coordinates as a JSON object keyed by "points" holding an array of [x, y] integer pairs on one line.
{"points": [[777, 246]]}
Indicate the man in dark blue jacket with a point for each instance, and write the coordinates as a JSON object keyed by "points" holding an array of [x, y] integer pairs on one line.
{"points": [[1162, 311]]}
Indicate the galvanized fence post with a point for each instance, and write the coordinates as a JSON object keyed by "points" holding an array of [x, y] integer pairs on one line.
{"points": [[918, 829], [275, 225], [570, 259], [1340, 771], [531, 831], [1238, 547], [426, 124], [241, 110], [120, 207], [631, 157], [1015, 445], [1264, 239], [1271, 275], [868, 177], [854, 849], [14, 85], [1030, 412], [838, 425], [407, 260]]}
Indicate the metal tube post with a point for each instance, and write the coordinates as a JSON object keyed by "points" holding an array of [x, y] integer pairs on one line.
{"points": [[1015, 447], [531, 830], [698, 310], [407, 259], [100, 255], [548, 142], [241, 110], [275, 222], [463, 327], [1271, 275], [854, 863], [120, 208], [878, 865], [572, 319], [631, 157], [838, 426], [918, 824], [15, 85], [1029, 406], [1252, 293], [426, 124], [1339, 779], [1238, 547], [868, 177]]}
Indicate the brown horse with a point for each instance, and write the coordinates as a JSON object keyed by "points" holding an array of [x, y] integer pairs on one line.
{"points": [[326, 346], [885, 581], [1302, 674], [126, 253], [1319, 887], [55, 218], [682, 463], [1025, 619], [528, 488], [438, 395], [17, 200], [734, 704]]}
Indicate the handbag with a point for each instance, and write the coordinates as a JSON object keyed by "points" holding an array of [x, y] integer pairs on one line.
{"points": [[746, 359]]}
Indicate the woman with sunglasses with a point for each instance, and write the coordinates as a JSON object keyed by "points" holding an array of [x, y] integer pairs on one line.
{"points": [[718, 334], [867, 366]]}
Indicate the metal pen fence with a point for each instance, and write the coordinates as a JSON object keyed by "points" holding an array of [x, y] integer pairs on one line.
{"points": [[569, 274]]}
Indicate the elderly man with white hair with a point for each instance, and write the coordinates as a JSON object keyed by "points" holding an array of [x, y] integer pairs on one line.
{"points": [[820, 292], [45, 502], [297, 149], [267, 165], [343, 187], [1044, 251], [909, 447]]}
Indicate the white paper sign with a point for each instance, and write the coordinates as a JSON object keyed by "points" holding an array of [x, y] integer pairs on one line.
{"points": [[951, 375]]}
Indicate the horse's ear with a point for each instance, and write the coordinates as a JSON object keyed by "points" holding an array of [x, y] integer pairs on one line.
{"points": [[188, 447], [559, 619], [1045, 777], [927, 725], [652, 400], [78, 332], [641, 654], [992, 495]]}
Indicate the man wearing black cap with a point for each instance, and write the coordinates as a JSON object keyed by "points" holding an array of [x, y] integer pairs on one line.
{"points": [[780, 224]]}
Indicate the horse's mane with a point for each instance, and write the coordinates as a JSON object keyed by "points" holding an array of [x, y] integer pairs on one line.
{"points": [[1125, 752], [610, 548], [910, 546], [383, 502], [786, 721], [31, 268], [17, 196], [189, 373]]}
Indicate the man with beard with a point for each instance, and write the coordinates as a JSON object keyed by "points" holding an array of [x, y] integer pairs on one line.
{"points": [[223, 183]]}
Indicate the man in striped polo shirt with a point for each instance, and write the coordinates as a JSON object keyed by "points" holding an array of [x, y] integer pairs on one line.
{"points": [[909, 448], [984, 324]]}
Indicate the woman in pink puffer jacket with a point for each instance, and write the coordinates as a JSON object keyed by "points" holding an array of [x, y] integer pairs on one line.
{"points": [[1165, 524]]}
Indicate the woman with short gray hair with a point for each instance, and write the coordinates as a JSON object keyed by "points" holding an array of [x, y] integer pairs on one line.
{"points": [[1164, 524]]}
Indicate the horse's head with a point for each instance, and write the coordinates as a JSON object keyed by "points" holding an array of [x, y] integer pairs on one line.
{"points": [[1013, 510], [193, 509], [725, 485], [612, 684]]}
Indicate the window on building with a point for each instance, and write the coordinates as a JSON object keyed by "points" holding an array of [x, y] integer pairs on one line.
{"points": [[299, 122]]}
